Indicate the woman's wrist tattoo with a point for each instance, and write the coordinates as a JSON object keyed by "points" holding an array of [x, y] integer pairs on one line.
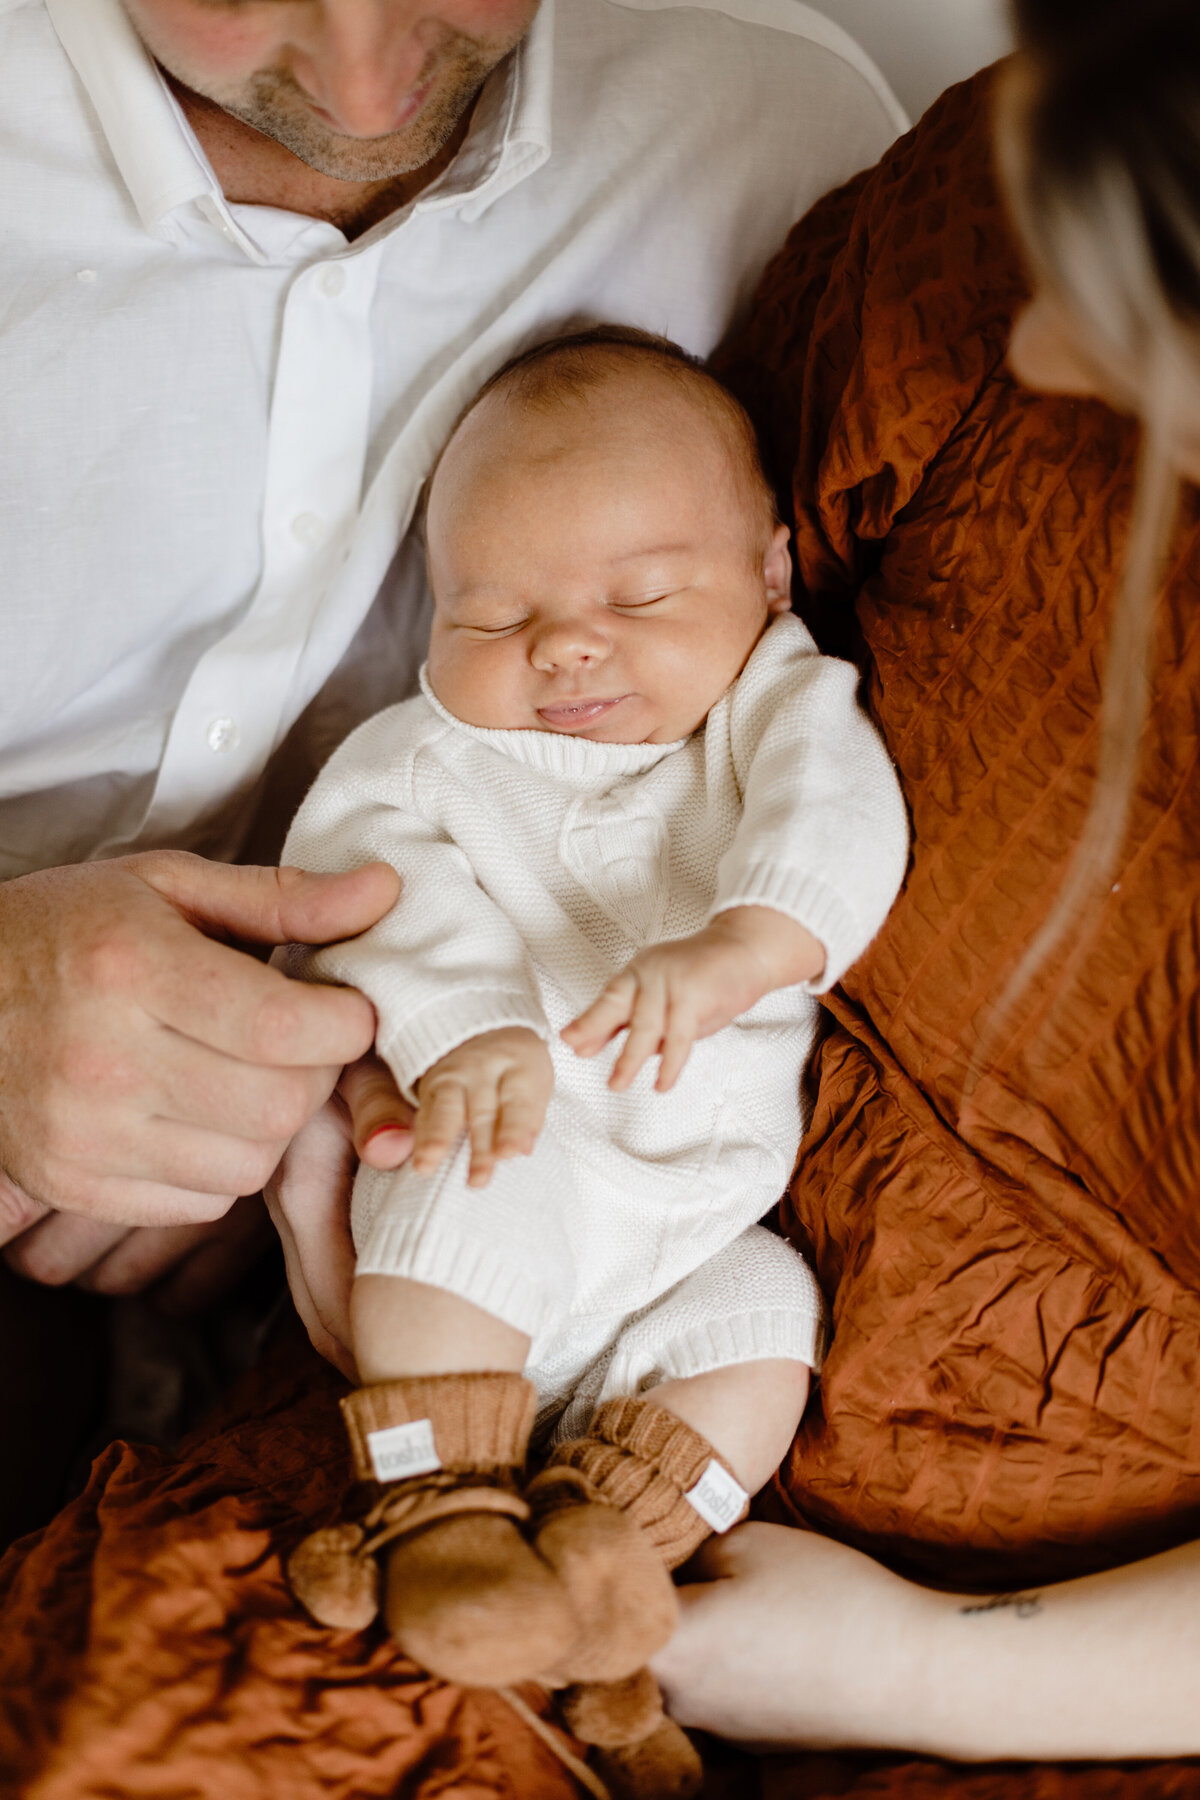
{"points": [[1026, 1606]]}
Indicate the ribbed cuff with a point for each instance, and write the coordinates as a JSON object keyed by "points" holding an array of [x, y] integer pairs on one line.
{"points": [[752, 1337], [413, 1044], [808, 900], [481, 1421], [415, 1249], [643, 1459]]}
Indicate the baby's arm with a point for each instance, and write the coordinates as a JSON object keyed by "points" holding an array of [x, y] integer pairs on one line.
{"points": [[813, 868], [674, 993], [460, 1022]]}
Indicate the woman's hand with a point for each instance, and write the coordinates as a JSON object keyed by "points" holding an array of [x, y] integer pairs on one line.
{"points": [[787, 1638]]}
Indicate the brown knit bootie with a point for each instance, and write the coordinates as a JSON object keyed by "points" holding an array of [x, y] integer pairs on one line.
{"points": [[638, 1752], [613, 1513], [464, 1594], [664, 1766]]}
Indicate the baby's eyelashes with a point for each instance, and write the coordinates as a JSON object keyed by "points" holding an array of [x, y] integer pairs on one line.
{"points": [[644, 600], [502, 629]]}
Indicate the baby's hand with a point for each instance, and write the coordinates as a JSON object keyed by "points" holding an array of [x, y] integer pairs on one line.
{"points": [[674, 993], [495, 1086]]}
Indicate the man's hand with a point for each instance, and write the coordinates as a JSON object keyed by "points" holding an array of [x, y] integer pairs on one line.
{"points": [[189, 1266], [677, 992], [150, 1072], [496, 1087]]}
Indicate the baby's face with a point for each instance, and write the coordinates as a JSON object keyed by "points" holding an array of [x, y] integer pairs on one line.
{"points": [[598, 569]]}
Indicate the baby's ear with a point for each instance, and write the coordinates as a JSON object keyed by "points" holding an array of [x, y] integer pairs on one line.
{"points": [[777, 572]]}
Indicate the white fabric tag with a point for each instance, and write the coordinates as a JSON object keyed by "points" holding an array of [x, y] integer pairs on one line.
{"points": [[403, 1450], [717, 1497]]}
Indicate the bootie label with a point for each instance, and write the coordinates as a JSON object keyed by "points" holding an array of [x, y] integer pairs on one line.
{"points": [[402, 1450], [717, 1497]]}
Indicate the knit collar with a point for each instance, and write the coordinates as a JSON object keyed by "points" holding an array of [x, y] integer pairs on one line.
{"points": [[553, 752]]}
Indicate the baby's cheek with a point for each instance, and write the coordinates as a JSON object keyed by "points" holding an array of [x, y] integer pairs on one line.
{"points": [[483, 683]]}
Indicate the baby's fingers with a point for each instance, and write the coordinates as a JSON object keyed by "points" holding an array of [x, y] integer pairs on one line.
{"points": [[608, 1014], [677, 1043], [439, 1123], [481, 1128], [521, 1116], [646, 1029]]}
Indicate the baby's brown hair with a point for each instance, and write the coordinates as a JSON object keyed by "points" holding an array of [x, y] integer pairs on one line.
{"points": [[573, 364]]}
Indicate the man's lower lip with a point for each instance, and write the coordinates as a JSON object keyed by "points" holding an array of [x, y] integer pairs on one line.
{"points": [[586, 713]]}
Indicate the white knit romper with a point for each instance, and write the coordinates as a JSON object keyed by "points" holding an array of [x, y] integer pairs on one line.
{"points": [[534, 866]]}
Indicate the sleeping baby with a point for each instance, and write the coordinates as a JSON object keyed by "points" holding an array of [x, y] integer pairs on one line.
{"points": [[640, 824]]}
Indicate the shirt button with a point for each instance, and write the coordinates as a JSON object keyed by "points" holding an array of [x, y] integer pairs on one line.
{"points": [[222, 735], [308, 528], [332, 280]]}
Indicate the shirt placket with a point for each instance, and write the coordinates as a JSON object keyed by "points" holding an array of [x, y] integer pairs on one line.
{"points": [[232, 711]]}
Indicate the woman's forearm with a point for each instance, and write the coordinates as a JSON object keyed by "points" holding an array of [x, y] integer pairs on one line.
{"points": [[801, 1641], [1103, 1667]]}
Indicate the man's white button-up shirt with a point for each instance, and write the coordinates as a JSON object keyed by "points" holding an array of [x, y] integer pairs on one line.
{"points": [[215, 419]]}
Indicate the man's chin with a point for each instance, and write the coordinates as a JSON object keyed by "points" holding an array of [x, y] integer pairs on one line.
{"points": [[278, 111], [354, 159]]}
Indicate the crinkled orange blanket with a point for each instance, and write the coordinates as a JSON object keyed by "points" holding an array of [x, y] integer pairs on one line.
{"points": [[149, 1646], [1012, 1391]]}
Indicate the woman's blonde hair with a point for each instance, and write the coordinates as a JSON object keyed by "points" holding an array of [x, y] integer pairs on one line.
{"points": [[1100, 152]]}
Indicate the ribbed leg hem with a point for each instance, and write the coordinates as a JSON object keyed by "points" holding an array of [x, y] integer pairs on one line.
{"points": [[472, 1271]]}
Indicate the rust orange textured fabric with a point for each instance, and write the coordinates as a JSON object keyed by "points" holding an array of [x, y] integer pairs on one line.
{"points": [[150, 1649], [1013, 1388]]}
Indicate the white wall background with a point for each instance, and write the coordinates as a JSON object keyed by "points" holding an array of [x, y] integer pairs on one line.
{"points": [[924, 45]]}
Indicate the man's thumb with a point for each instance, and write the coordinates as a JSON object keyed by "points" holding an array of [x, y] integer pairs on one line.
{"points": [[270, 905]]}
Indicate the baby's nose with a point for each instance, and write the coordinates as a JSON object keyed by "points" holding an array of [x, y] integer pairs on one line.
{"points": [[568, 644]]}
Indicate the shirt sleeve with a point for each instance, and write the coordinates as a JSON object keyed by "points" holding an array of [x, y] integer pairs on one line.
{"points": [[824, 833], [445, 964]]}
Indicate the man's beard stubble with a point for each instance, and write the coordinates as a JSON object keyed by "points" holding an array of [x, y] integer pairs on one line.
{"points": [[276, 106]]}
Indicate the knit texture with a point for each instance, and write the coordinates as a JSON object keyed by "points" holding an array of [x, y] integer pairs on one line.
{"points": [[641, 1458], [534, 866], [481, 1421]]}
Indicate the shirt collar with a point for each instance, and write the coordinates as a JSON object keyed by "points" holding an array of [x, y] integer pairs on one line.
{"points": [[510, 131], [165, 169], [158, 161]]}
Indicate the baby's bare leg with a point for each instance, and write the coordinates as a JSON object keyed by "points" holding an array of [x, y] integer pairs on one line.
{"points": [[401, 1327], [442, 1423], [748, 1412]]}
